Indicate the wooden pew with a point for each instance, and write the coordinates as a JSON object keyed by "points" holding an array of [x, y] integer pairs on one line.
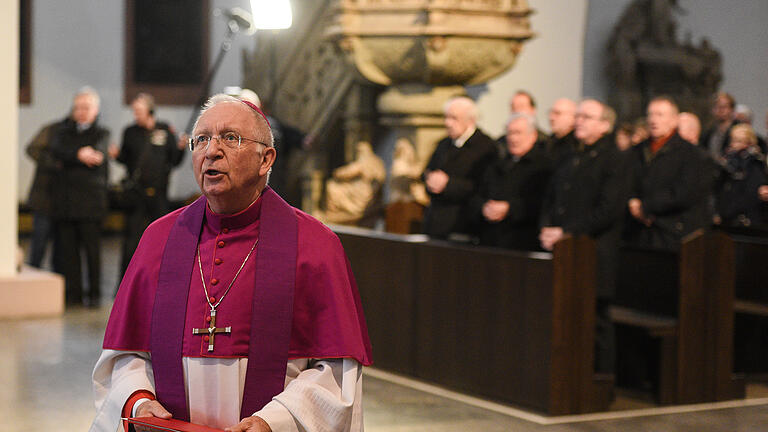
{"points": [[684, 301], [503, 325], [751, 303]]}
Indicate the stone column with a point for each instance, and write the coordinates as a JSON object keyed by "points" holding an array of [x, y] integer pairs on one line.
{"points": [[9, 124], [30, 293], [415, 112]]}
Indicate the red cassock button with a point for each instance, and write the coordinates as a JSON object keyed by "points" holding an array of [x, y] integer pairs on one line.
{"points": [[212, 299], [217, 261], [214, 281], [206, 338], [225, 230], [207, 319], [221, 244]]}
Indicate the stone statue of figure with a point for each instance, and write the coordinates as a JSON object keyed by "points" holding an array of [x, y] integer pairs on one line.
{"points": [[405, 183], [354, 188], [646, 59]]}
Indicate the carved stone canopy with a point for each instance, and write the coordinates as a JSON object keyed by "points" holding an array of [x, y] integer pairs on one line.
{"points": [[434, 42]]}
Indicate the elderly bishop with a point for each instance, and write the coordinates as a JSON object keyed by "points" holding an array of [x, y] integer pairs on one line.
{"points": [[237, 311]]}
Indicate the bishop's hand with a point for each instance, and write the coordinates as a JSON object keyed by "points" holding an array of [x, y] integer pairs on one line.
{"points": [[150, 408], [250, 424]]}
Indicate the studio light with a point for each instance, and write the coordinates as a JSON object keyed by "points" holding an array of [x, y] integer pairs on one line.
{"points": [[271, 14]]}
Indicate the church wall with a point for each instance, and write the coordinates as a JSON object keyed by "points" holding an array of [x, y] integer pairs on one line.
{"points": [[79, 42], [736, 29], [549, 66]]}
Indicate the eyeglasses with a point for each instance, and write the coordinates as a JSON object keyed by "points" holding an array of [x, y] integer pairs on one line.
{"points": [[229, 139]]}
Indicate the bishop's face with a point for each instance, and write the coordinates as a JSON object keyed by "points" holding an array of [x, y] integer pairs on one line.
{"points": [[232, 178]]}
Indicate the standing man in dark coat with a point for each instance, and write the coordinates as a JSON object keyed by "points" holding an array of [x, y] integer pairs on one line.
{"points": [[149, 151], [587, 196], [455, 170], [39, 200], [562, 119], [672, 183], [512, 191], [80, 192]]}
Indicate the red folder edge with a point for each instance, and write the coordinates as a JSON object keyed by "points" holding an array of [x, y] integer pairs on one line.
{"points": [[170, 425]]}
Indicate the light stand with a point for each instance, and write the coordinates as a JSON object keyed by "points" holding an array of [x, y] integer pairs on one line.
{"points": [[237, 21]]}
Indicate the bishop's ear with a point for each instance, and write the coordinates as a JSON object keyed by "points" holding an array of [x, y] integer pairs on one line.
{"points": [[270, 154]]}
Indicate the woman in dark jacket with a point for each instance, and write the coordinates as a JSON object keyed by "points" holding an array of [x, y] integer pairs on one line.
{"points": [[742, 173]]}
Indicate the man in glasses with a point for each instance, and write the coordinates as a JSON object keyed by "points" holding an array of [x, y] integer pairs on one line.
{"points": [[587, 196], [238, 310]]}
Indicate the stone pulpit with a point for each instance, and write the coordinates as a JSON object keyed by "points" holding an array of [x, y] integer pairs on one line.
{"points": [[425, 51], [380, 71]]}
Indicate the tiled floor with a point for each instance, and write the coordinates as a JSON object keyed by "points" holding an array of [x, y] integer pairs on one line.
{"points": [[45, 367]]}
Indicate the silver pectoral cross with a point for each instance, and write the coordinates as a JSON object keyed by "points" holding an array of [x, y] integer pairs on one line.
{"points": [[211, 330]]}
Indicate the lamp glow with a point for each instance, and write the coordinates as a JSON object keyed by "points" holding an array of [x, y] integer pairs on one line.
{"points": [[271, 14]]}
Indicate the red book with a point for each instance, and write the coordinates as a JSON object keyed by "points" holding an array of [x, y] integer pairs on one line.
{"points": [[172, 425]]}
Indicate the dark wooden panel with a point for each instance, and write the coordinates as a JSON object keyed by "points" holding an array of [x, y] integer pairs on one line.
{"points": [[480, 320], [484, 322], [705, 333], [385, 272], [699, 283], [751, 268], [647, 281]]}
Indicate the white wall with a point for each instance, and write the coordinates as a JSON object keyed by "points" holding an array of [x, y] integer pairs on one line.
{"points": [[549, 67], [737, 29], [79, 42]]}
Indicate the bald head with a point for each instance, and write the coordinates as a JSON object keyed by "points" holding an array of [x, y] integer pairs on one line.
{"points": [[689, 127], [562, 117]]}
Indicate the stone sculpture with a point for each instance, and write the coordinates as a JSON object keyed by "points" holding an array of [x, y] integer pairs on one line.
{"points": [[354, 188]]}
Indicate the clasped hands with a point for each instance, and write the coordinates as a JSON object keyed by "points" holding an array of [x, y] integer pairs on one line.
{"points": [[153, 408], [90, 156], [495, 211]]}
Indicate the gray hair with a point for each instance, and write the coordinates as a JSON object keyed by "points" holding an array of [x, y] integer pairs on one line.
{"points": [[223, 98], [471, 112], [529, 120], [88, 91], [743, 110]]}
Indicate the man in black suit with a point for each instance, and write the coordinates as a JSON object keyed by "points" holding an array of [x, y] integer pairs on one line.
{"points": [[455, 170], [672, 182], [511, 194], [562, 119], [587, 196]]}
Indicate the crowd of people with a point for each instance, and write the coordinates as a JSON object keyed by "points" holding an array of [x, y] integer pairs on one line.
{"points": [[647, 183], [69, 197]]}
